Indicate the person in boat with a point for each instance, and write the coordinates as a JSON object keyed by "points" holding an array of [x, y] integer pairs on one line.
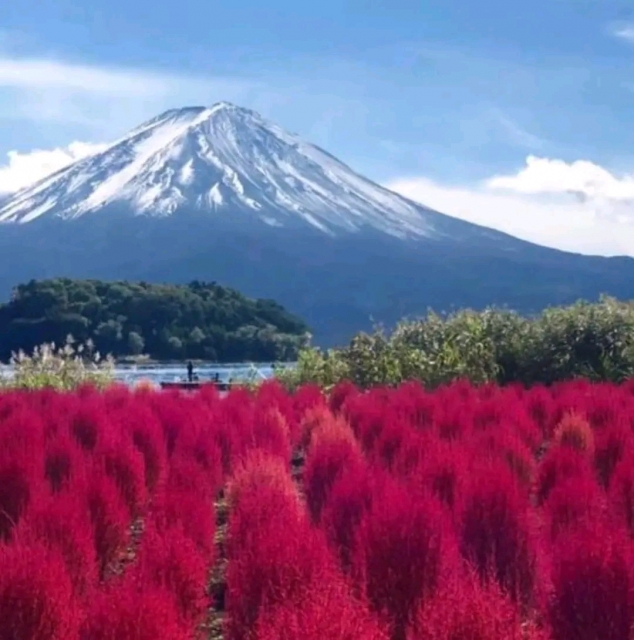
{"points": [[190, 371]]}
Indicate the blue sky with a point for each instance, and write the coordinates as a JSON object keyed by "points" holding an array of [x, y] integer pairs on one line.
{"points": [[515, 115]]}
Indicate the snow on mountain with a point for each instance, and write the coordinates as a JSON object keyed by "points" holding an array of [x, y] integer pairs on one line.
{"points": [[222, 160]]}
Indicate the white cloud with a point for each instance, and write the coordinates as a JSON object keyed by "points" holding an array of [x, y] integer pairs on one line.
{"points": [[23, 169], [103, 99], [33, 73], [582, 178], [624, 32], [43, 73], [577, 206]]}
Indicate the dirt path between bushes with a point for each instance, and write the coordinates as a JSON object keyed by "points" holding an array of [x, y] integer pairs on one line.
{"points": [[213, 625]]}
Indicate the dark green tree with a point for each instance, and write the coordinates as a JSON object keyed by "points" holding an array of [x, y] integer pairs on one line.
{"points": [[200, 320]]}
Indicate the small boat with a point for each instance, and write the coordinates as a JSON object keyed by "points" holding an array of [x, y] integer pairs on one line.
{"points": [[185, 385], [253, 375]]}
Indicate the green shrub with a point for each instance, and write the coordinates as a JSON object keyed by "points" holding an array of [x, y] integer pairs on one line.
{"points": [[64, 368], [324, 368], [594, 341]]}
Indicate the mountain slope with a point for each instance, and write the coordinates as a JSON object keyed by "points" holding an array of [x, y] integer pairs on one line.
{"points": [[229, 161], [221, 159], [221, 194]]}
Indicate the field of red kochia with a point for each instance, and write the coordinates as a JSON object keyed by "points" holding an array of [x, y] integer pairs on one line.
{"points": [[395, 514]]}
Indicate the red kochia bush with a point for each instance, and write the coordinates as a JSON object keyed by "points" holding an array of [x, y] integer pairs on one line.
{"points": [[22, 433], [313, 419], [258, 472], [593, 587], [507, 446], [270, 432], [603, 408], [558, 464], [405, 548], [329, 612], [276, 559], [611, 445], [196, 463], [21, 466], [621, 493], [395, 436], [124, 464], [348, 501], [18, 486], [148, 439], [110, 519], [496, 535], [281, 581], [540, 406], [574, 431], [465, 610], [36, 595], [329, 455], [89, 425], [171, 560], [186, 475], [186, 511], [306, 397], [340, 394], [63, 463], [575, 503], [63, 524], [272, 397], [444, 473], [132, 611], [260, 496]]}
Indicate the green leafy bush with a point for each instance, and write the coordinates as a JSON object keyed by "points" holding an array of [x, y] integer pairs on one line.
{"points": [[594, 341]]}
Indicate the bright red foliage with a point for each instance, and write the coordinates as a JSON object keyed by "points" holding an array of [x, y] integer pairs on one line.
{"points": [[63, 525], [464, 610], [593, 587], [467, 513], [134, 611], [405, 547], [496, 534], [36, 595]]}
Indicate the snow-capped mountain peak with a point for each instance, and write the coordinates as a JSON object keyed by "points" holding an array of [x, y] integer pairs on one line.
{"points": [[222, 159]]}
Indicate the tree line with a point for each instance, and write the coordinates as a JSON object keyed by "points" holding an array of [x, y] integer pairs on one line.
{"points": [[200, 320]]}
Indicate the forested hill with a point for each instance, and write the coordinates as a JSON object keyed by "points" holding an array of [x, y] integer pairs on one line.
{"points": [[200, 320]]}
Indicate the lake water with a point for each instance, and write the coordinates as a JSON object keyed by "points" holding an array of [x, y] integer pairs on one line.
{"points": [[167, 373], [156, 373]]}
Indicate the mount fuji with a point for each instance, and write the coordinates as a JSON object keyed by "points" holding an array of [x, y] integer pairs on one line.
{"points": [[220, 193], [225, 161]]}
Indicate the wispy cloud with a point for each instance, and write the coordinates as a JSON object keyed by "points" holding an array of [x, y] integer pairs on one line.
{"points": [[623, 32], [33, 73], [102, 98], [42, 74], [576, 206], [23, 169], [516, 133]]}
